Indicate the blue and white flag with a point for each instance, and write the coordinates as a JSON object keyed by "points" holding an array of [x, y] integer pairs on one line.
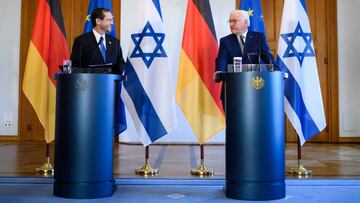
{"points": [[149, 95], [98, 4], [253, 7], [296, 56], [120, 118]]}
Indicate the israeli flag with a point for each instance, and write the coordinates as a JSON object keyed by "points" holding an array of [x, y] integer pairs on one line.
{"points": [[149, 94], [296, 56]]}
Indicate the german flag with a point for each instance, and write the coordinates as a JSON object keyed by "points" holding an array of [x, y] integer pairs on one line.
{"points": [[48, 47], [197, 94]]}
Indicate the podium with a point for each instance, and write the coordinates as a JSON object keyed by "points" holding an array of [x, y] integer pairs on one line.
{"points": [[84, 135], [255, 156]]}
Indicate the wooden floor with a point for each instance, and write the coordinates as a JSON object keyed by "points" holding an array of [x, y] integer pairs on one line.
{"points": [[176, 161]]}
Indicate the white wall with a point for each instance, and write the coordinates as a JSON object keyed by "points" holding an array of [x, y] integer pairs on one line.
{"points": [[9, 66], [174, 12], [349, 67]]}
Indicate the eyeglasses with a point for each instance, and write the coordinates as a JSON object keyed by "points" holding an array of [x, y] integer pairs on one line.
{"points": [[234, 21], [108, 19]]}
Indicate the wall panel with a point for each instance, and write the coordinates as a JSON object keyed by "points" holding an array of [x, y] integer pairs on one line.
{"points": [[322, 14]]}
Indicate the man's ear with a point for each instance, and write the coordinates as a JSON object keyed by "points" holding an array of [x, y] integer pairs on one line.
{"points": [[98, 20]]}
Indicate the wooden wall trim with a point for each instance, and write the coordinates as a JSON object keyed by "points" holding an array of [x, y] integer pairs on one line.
{"points": [[349, 139], [8, 138], [333, 88], [26, 24]]}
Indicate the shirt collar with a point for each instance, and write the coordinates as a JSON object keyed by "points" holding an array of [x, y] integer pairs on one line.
{"points": [[244, 34], [97, 36]]}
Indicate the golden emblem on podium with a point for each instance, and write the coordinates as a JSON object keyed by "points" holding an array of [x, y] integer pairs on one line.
{"points": [[257, 82], [81, 84]]}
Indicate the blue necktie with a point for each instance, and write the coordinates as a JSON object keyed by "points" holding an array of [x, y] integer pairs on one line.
{"points": [[102, 48]]}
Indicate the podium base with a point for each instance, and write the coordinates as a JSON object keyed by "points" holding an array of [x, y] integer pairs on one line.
{"points": [[84, 190], [255, 190]]}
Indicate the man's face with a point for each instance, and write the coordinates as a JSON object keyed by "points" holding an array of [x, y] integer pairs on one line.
{"points": [[105, 24], [238, 24]]}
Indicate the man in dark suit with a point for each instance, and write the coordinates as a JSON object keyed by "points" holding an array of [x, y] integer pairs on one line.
{"points": [[96, 47], [241, 43]]}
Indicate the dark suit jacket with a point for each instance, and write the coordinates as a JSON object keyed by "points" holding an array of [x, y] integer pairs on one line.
{"points": [[85, 52], [230, 48]]}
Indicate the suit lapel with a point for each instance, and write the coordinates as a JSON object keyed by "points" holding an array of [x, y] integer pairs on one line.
{"points": [[109, 47], [93, 42]]}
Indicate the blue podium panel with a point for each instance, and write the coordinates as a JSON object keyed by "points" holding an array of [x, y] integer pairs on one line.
{"points": [[84, 135], [255, 156]]}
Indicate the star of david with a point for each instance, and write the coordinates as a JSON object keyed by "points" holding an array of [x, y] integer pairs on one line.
{"points": [[291, 51], [158, 38]]}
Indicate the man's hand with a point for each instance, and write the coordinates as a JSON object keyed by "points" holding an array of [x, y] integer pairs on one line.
{"points": [[217, 77]]}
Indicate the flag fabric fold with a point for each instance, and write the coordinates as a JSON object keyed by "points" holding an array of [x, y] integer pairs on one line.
{"points": [[148, 94], [47, 49], [253, 7], [197, 94], [296, 56], [120, 118]]}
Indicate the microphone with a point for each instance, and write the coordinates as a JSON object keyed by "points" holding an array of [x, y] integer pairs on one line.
{"points": [[263, 53], [247, 54], [93, 54], [259, 51], [80, 56], [266, 57], [245, 51]]}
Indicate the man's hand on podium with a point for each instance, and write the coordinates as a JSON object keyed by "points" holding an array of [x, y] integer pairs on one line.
{"points": [[217, 77]]}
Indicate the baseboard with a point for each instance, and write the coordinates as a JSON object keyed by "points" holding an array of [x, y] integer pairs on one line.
{"points": [[173, 143], [8, 138], [349, 139]]}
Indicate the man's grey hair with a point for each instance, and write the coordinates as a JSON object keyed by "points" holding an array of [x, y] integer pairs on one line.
{"points": [[243, 13]]}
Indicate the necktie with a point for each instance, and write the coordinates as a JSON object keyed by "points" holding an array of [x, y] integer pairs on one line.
{"points": [[242, 44], [102, 48]]}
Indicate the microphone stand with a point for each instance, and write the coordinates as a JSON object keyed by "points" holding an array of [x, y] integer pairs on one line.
{"points": [[246, 53], [93, 54], [259, 53]]}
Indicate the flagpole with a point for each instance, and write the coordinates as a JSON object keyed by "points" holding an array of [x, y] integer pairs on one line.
{"points": [[46, 169], [202, 170], [146, 169], [300, 170]]}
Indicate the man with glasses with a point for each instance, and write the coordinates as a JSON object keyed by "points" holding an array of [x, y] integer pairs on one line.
{"points": [[97, 47], [241, 43]]}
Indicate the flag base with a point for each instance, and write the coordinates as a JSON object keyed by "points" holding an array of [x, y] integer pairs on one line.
{"points": [[300, 171], [147, 170], [202, 170], [46, 169]]}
